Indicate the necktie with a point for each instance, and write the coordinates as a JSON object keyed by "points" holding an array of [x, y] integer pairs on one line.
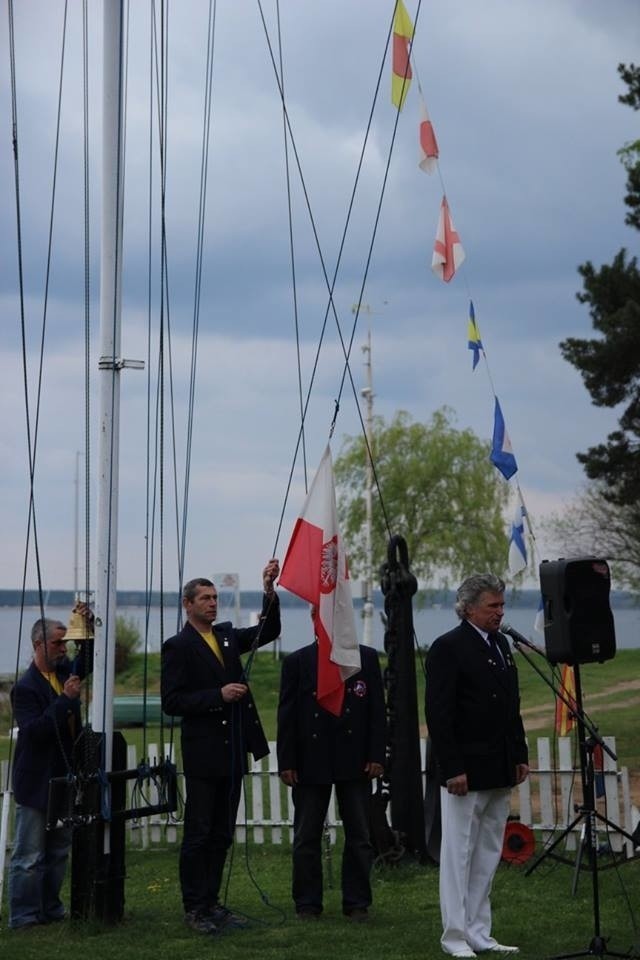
{"points": [[497, 652]]}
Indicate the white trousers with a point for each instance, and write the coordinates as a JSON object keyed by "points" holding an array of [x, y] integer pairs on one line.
{"points": [[472, 838]]}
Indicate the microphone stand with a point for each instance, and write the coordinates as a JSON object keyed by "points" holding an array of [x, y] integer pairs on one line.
{"points": [[585, 811]]}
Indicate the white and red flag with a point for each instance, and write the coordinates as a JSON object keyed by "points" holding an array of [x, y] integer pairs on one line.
{"points": [[428, 144], [447, 249], [315, 568]]}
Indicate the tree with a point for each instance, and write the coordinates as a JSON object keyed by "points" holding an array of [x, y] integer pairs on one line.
{"points": [[610, 364], [440, 492], [630, 153], [591, 524], [127, 642]]}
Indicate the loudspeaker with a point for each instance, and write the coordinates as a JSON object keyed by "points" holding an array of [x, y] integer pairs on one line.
{"points": [[578, 623]]}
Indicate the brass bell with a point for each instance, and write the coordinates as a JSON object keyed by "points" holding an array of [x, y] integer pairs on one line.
{"points": [[78, 628]]}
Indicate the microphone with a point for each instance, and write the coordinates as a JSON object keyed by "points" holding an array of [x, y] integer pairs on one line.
{"points": [[511, 632]]}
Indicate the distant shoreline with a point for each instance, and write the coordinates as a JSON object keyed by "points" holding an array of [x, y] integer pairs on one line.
{"points": [[252, 599]]}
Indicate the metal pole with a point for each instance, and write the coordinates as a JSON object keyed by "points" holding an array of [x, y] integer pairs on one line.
{"points": [[109, 365], [76, 528], [367, 393]]}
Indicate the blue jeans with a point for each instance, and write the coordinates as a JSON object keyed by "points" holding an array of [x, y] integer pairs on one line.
{"points": [[38, 864]]}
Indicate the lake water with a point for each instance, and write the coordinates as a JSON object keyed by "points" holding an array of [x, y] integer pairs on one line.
{"points": [[15, 651]]}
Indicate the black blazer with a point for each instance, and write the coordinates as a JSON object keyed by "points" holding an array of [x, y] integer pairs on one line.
{"points": [[321, 747], [47, 726], [215, 735], [473, 709]]}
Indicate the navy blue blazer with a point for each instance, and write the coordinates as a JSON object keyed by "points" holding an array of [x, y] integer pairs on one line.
{"points": [[321, 747], [216, 736], [47, 726], [472, 709]]}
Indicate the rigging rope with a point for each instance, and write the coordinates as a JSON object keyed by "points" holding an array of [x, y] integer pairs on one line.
{"points": [[331, 284], [294, 290]]}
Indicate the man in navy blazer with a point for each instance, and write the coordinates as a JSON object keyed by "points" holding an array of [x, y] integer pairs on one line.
{"points": [[46, 709], [202, 682], [472, 707], [317, 749]]}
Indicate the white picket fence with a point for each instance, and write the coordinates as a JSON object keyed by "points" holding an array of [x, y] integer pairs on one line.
{"points": [[544, 802]]}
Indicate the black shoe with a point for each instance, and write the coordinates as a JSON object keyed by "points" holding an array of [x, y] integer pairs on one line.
{"points": [[357, 915], [223, 917], [200, 922], [307, 913]]}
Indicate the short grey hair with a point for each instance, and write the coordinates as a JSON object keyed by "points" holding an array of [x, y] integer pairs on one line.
{"points": [[471, 589], [191, 587], [42, 629]]}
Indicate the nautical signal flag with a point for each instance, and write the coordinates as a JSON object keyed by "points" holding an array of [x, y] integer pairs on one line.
{"points": [[517, 545], [315, 568], [565, 712], [538, 621], [473, 335], [428, 144], [501, 452], [400, 66], [447, 249]]}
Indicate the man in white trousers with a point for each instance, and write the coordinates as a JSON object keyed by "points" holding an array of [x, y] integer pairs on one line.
{"points": [[473, 714]]}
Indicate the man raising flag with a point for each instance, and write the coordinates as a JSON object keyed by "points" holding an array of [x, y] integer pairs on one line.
{"points": [[315, 568]]}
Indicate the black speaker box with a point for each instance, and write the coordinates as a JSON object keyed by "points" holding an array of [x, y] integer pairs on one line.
{"points": [[578, 623]]}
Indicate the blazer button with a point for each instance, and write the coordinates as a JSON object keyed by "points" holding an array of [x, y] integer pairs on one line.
{"points": [[347, 710], [250, 706], [316, 715], [349, 731], [314, 736], [226, 743], [224, 723]]}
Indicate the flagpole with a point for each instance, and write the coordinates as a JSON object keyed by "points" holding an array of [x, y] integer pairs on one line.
{"points": [[367, 394]]}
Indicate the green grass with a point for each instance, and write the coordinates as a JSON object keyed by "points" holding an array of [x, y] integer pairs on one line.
{"points": [[538, 912]]}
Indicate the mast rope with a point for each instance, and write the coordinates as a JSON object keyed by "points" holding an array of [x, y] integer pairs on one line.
{"points": [[32, 434], [331, 284]]}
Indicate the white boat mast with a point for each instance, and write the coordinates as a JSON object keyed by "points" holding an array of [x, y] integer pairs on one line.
{"points": [[367, 607], [110, 364]]}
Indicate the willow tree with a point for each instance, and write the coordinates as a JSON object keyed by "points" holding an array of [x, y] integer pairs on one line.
{"points": [[439, 491]]}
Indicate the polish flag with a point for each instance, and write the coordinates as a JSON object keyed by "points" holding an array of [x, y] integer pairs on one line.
{"points": [[428, 144], [315, 568], [448, 254]]}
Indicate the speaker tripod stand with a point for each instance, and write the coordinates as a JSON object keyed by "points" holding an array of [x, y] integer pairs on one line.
{"points": [[586, 814]]}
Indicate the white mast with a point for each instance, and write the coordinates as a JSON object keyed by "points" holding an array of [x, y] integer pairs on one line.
{"points": [[76, 529], [110, 365], [367, 608]]}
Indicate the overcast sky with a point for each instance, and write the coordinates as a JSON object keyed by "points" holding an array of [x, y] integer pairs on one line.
{"points": [[523, 97]]}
